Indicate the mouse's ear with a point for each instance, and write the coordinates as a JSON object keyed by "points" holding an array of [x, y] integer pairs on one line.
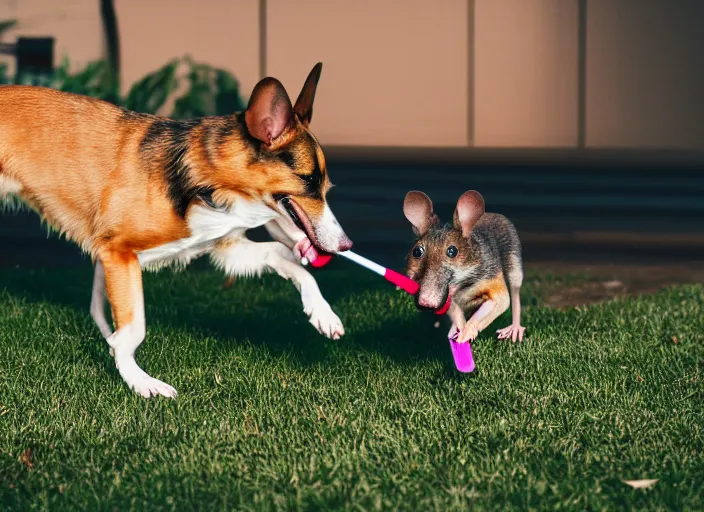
{"points": [[470, 208], [418, 209]]}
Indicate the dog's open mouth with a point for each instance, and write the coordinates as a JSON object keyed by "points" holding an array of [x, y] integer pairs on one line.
{"points": [[325, 236], [288, 206], [306, 247]]}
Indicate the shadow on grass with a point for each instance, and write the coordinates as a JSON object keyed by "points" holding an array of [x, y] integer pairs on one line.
{"points": [[263, 311]]}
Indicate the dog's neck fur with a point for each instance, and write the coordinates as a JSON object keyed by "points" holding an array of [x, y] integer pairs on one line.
{"points": [[218, 168], [220, 186]]}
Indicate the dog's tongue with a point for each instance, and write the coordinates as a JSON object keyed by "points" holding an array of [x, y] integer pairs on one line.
{"points": [[305, 249], [311, 254], [322, 260]]}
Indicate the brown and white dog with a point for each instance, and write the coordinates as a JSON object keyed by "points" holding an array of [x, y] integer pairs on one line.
{"points": [[138, 191]]}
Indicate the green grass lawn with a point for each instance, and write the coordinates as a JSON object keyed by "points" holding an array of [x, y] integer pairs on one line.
{"points": [[273, 416]]}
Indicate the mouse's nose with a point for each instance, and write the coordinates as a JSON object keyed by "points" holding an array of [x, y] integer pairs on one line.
{"points": [[426, 302]]}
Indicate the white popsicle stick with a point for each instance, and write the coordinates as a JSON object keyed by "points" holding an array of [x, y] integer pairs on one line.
{"points": [[361, 260]]}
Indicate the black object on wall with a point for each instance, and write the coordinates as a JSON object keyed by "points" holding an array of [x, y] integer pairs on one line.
{"points": [[35, 55]]}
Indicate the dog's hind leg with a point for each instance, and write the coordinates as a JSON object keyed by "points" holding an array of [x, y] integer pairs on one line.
{"points": [[123, 284], [244, 257], [97, 303]]}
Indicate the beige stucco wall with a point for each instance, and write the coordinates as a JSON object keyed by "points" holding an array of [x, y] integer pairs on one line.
{"points": [[525, 75], [397, 73], [75, 24], [645, 73], [221, 33]]}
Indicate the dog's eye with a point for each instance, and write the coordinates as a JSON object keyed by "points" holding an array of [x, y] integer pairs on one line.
{"points": [[452, 251], [418, 251]]}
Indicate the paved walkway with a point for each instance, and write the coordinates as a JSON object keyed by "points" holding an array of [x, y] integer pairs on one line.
{"points": [[641, 225]]}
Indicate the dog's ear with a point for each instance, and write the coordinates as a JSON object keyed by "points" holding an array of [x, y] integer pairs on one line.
{"points": [[470, 208], [269, 111], [304, 104], [418, 209]]}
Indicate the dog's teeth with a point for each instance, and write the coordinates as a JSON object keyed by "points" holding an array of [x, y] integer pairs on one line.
{"points": [[304, 261]]}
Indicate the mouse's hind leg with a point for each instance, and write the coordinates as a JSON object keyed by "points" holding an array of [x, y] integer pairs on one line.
{"points": [[514, 277], [495, 300]]}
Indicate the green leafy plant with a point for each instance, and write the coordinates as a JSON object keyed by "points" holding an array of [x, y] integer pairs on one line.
{"points": [[93, 80], [7, 25], [151, 92], [211, 90], [4, 76], [207, 90]]}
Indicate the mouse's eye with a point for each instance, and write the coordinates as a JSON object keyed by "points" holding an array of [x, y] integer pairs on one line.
{"points": [[418, 251], [452, 251]]}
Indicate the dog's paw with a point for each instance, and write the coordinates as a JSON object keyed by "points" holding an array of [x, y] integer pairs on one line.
{"points": [[112, 354], [326, 321], [150, 386], [140, 382]]}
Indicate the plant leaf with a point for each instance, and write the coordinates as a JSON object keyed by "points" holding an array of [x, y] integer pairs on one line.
{"points": [[227, 94], [7, 25], [151, 92]]}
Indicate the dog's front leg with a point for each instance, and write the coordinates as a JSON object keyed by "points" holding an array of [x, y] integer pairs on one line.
{"points": [[283, 230], [244, 257], [123, 284], [277, 233]]}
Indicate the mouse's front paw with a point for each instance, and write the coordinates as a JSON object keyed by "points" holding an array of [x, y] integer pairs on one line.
{"points": [[469, 333]]}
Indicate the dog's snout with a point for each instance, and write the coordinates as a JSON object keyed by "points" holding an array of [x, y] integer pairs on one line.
{"points": [[345, 244], [329, 234]]}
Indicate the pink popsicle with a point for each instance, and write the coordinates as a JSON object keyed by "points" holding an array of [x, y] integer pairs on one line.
{"points": [[403, 282], [462, 353]]}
